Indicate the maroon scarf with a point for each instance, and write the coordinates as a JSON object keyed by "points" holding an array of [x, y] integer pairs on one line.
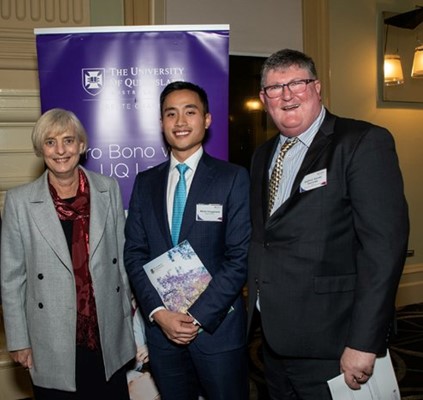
{"points": [[78, 211]]}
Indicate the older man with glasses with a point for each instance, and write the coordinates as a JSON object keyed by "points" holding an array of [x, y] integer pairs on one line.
{"points": [[329, 239]]}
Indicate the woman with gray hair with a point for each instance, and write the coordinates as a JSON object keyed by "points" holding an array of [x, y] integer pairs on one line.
{"points": [[66, 297]]}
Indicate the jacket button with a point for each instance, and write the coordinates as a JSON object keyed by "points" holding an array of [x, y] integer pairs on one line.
{"points": [[40, 276], [118, 289], [40, 305], [266, 245], [114, 261]]}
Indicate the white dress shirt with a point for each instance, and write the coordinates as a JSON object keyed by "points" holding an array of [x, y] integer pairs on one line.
{"points": [[293, 160], [172, 181]]}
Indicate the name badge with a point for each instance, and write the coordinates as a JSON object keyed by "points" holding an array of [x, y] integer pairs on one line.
{"points": [[314, 180], [209, 212]]}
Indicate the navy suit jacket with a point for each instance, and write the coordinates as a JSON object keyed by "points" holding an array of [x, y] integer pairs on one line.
{"points": [[221, 246], [327, 263]]}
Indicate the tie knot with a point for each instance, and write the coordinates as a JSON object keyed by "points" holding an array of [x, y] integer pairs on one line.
{"points": [[182, 168], [290, 142]]}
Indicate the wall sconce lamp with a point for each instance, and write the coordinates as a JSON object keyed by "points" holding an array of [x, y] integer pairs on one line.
{"points": [[417, 70], [408, 20], [392, 68]]}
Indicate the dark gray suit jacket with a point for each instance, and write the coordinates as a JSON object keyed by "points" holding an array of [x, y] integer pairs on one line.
{"points": [[327, 263]]}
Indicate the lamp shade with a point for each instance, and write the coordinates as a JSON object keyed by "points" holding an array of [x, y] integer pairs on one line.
{"points": [[417, 70], [392, 70]]}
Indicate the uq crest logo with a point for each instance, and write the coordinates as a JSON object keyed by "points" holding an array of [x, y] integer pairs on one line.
{"points": [[93, 80]]}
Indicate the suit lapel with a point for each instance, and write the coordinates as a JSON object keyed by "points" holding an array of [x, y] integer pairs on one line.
{"points": [[45, 217], [317, 149], [200, 185], [315, 152], [99, 209], [268, 156], [159, 197]]}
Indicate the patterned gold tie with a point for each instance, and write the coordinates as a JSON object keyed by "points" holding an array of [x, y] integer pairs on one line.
{"points": [[276, 175]]}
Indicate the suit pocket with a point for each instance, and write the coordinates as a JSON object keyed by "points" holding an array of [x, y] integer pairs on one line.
{"points": [[333, 284]]}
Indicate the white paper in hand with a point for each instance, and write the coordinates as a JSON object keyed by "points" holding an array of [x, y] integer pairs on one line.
{"points": [[382, 385]]}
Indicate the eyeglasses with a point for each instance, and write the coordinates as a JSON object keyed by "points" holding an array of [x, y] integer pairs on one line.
{"points": [[296, 87]]}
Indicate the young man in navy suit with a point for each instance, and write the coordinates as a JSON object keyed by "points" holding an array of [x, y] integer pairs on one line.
{"points": [[327, 251], [203, 350]]}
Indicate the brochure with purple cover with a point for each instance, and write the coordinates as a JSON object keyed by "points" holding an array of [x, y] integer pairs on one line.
{"points": [[179, 276]]}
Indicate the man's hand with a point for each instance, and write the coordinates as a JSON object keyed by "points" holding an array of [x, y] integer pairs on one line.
{"points": [[23, 357], [176, 326], [357, 367]]}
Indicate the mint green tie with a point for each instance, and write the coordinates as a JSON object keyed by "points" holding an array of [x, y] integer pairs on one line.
{"points": [[179, 203]]}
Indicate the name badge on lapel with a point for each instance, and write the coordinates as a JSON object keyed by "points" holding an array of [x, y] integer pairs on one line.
{"points": [[209, 212], [314, 180]]}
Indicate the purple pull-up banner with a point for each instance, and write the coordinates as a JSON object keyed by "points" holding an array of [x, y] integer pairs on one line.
{"points": [[112, 77]]}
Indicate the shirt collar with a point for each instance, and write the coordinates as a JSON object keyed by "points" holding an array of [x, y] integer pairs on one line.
{"points": [[307, 136], [192, 161]]}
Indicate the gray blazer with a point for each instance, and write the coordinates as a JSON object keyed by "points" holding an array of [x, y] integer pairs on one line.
{"points": [[38, 288]]}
